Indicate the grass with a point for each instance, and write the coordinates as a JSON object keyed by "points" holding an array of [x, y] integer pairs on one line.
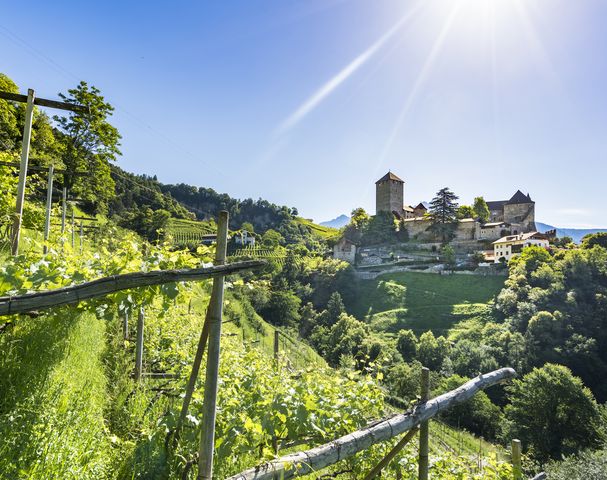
{"points": [[422, 301], [321, 231]]}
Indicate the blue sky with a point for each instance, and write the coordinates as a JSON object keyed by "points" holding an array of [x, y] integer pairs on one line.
{"points": [[307, 102]]}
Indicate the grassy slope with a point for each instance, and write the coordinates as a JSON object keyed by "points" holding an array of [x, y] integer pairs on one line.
{"points": [[422, 301], [323, 232]]}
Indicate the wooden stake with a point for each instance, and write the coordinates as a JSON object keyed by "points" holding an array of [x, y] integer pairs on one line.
{"points": [[276, 346], [125, 325], [139, 347], [81, 235], [63, 210], [73, 231], [49, 206], [423, 428], [207, 433], [25, 150], [517, 469], [383, 463]]}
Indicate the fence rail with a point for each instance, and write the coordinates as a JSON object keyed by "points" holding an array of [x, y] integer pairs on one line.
{"points": [[103, 286], [308, 461]]}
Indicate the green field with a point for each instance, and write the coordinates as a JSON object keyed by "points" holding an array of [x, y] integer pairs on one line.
{"points": [[422, 301]]}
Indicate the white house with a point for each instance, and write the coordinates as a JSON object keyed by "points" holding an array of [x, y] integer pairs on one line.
{"points": [[345, 250], [512, 245], [245, 239]]}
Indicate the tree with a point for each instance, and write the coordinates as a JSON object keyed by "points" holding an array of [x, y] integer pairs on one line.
{"points": [[89, 143], [481, 209], [552, 413], [443, 214], [599, 238], [271, 238], [359, 218], [448, 255], [335, 308], [247, 226], [465, 211], [380, 229], [431, 351], [479, 414], [406, 344], [282, 308]]}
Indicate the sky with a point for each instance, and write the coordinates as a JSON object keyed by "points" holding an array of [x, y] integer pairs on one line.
{"points": [[307, 103]]}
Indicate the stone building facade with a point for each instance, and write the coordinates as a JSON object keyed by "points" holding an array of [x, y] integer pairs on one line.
{"points": [[390, 194]]}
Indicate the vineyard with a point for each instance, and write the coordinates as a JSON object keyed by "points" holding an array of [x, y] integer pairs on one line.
{"points": [[277, 255], [189, 233], [70, 392]]}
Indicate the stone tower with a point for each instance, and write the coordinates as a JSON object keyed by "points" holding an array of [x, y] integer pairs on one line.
{"points": [[519, 212], [389, 194]]}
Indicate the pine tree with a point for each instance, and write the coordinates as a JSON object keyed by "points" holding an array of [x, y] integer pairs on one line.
{"points": [[443, 214]]}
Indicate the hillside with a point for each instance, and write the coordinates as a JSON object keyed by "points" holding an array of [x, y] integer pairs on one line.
{"points": [[422, 302]]}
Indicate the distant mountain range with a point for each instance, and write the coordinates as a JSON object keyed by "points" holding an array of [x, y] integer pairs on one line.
{"points": [[575, 233], [338, 222]]}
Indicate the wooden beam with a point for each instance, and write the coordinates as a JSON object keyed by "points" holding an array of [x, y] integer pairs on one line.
{"points": [[104, 286], [310, 461], [43, 102]]}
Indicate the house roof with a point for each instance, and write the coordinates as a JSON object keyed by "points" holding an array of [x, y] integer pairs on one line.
{"points": [[389, 176], [521, 237], [520, 197], [408, 209], [421, 205]]}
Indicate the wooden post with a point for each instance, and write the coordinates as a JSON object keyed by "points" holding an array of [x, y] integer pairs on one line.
{"points": [[391, 454], [25, 150], [517, 468], [81, 235], [423, 428], [73, 226], [49, 206], [276, 345], [63, 210], [139, 347], [207, 432], [125, 324]]}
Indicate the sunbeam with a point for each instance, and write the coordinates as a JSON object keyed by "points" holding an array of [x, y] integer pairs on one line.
{"points": [[410, 99], [323, 92]]}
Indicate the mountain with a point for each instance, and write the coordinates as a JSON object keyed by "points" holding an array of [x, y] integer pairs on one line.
{"points": [[338, 222], [576, 233]]}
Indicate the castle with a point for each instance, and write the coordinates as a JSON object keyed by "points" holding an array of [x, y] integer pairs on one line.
{"points": [[506, 217]]}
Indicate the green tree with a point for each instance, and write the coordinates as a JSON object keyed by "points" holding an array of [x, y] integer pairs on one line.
{"points": [[443, 214], [406, 344], [448, 255], [346, 338], [465, 211], [432, 351], [248, 226], [380, 229], [552, 413], [481, 209], [282, 308], [272, 239], [89, 143], [359, 218], [335, 308], [593, 239], [479, 414]]}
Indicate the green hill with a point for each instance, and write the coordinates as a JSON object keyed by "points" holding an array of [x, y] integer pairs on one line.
{"points": [[422, 301]]}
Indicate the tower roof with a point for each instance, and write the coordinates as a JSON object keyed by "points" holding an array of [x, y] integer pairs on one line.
{"points": [[520, 197], [389, 176]]}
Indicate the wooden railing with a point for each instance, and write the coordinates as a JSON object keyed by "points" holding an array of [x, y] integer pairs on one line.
{"points": [[308, 461]]}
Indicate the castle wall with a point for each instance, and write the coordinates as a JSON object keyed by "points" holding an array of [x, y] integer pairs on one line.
{"points": [[521, 216], [389, 196]]}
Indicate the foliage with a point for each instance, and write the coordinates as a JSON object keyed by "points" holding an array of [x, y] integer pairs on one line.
{"points": [[481, 210], [478, 415], [443, 214], [448, 255], [282, 308], [89, 143], [406, 344], [465, 211], [586, 465], [599, 238], [552, 413]]}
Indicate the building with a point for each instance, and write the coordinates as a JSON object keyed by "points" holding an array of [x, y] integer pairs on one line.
{"points": [[390, 195], [493, 230], [345, 250], [244, 238], [512, 245], [518, 212], [420, 210]]}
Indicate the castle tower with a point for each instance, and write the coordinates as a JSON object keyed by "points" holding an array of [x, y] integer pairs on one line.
{"points": [[389, 194]]}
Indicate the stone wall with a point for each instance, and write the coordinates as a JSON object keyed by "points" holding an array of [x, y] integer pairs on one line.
{"points": [[521, 216], [389, 196]]}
